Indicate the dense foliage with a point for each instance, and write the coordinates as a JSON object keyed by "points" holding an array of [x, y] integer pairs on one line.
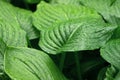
{"points": [[59, 39]]}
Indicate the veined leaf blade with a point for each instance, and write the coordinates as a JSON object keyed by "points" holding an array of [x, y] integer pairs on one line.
{"points": [[33, 65], [109, 9], [101, 6], [12, 35], [19, 18], [111, 52], [76, 35], [75, 2], [48, 14]]}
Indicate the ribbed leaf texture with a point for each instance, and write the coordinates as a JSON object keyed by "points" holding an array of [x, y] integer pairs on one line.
{"points": [[109, 9], [18, 17], [70, 28], [24, 18], [30, 64], [46, 14], [111, 52], [106, 8], [115, 8], [83, 34], [12, 35], [72, 2], [101, 6]]}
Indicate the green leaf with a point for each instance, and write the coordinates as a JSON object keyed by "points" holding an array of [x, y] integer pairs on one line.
{"points": [[115, 12], [30, 64], [109, 9], [76, 35], [75, 2], [46, 14], [106, 8], [24, 18], [18, 17], [115, 8], [101, 6], [65, 28], [111, 52], [12, 35], [112, 73]]}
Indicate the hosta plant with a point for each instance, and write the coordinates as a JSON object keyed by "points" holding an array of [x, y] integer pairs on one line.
{"points": [[59, 40]]}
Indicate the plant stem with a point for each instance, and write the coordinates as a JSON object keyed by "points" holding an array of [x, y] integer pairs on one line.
{"points": [[62, 60], [78, 66]]}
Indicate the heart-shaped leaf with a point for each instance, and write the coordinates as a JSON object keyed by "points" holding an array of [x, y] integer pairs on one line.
{"points": [[70, 28], [30, 64]]}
